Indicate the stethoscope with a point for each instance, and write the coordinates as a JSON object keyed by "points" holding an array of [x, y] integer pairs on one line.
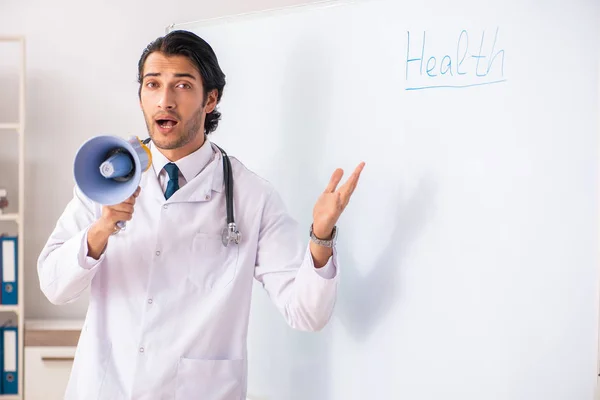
{"points": [[230, 233]]}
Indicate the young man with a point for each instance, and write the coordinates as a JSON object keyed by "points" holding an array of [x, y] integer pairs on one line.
{"points": [[169, 303]]}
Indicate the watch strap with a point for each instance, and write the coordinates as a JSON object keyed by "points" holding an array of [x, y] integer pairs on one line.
{"points": [[324, 242]]}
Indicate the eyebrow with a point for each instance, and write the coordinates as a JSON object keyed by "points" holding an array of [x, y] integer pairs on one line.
{"points": [[180, 75]]}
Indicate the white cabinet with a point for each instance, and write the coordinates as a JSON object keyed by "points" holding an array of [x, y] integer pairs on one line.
{"points": [[47, 371], [49, 352]]}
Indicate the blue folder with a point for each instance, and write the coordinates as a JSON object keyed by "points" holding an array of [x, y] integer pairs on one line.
{"points": [[9, 262], [10, 360]]}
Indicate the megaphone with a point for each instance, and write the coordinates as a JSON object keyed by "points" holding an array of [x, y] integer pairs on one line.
{"points": [[108, 169]]}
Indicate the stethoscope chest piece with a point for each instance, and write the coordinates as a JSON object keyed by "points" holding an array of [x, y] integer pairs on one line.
{"points": [[230, 234]]}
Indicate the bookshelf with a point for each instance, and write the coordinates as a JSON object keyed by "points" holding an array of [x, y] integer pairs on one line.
{"points": [[18, 128], [9, 217]]}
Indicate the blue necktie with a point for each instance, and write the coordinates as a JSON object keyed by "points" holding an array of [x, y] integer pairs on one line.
{"points": [[173, 184]]}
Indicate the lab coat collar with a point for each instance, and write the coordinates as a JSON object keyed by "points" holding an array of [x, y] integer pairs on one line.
{"points": [[208, 163], [218, 183], [190, 165]]}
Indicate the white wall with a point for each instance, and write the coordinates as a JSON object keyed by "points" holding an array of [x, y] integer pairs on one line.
{"points": [[81, 81]]}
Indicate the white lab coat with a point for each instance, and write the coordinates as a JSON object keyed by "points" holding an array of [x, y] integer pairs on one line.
{"points": [[169, 304]]}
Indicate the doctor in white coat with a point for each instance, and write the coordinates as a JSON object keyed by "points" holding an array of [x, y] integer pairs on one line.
{"points": [[169, 303]]}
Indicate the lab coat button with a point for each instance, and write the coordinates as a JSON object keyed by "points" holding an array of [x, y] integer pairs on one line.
{"points": [[149, 301], [158, 253], [141, 349], [165, 206], [207, 197]]}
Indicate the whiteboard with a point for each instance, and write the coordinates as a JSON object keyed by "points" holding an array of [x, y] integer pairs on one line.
{"points": [[469, 252]]}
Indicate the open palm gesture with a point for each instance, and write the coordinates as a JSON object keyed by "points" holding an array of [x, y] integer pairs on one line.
{"points": [[332, 202]]}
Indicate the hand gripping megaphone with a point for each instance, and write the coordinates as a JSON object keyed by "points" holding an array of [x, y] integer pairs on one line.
{"points": [[108, 169]]}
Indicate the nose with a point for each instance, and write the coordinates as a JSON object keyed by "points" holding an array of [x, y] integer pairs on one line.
{"points": [[167, 100]]}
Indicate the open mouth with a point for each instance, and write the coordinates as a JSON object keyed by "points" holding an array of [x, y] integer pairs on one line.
{"points": [[166, 123]]}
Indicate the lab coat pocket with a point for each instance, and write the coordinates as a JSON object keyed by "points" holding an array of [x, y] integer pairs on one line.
{"points": [[209, 379], [213, 265]]}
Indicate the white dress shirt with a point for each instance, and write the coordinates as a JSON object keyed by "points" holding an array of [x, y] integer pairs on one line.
{"points": [[169, 304]]}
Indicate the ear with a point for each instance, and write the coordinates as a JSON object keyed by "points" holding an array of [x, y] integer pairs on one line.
{"points": [[211, 102]]}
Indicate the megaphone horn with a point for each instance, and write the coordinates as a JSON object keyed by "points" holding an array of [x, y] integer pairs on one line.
{"points": [[108, 169]]}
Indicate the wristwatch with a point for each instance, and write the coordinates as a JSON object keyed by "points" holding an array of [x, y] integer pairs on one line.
{"points": [[324, 242]]}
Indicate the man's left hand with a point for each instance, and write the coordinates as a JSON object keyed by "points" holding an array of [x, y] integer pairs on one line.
{"points": [[333, 201]]}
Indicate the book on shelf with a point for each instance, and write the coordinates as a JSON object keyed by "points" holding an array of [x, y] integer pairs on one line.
{"points": [[3, 199]]}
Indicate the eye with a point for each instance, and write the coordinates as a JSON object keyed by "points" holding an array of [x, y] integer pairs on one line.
{"points": [[151, 85], [184, 86]]}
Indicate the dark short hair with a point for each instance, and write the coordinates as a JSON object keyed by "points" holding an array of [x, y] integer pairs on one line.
{"points": [[201, 54]]}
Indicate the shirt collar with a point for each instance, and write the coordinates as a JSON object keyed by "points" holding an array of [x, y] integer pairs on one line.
{"points": [[190, 165]]}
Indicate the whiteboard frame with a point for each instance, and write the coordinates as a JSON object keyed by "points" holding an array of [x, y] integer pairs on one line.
{"points": [[597, 394], [319, 4]]}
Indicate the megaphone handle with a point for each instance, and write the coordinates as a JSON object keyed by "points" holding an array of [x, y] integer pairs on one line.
{"points": [[121, 225]]}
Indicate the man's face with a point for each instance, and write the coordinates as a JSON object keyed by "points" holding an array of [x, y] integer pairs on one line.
{"points": [[172, 100]]}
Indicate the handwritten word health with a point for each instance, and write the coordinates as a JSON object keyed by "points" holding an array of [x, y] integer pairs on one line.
{"points": [[466, 66]]}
